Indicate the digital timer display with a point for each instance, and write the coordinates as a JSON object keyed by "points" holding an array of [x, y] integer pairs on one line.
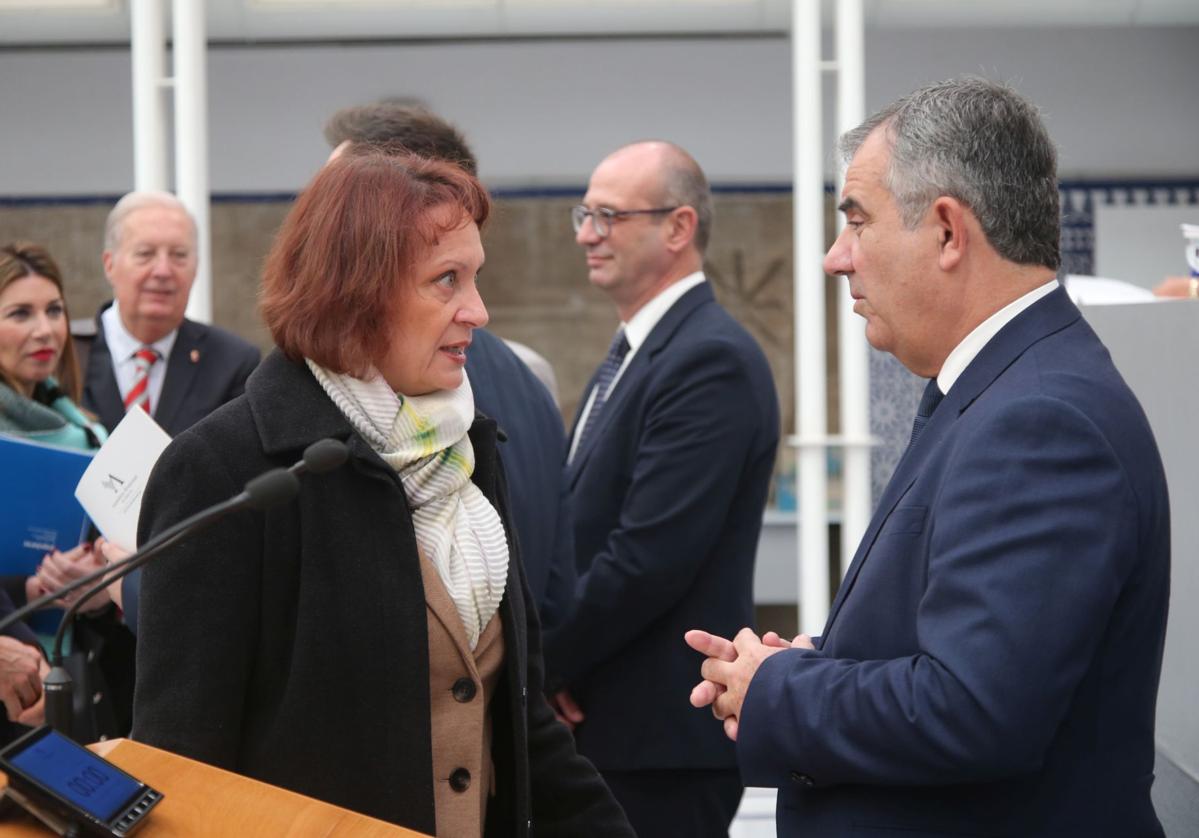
{"points": [[78, 775]]}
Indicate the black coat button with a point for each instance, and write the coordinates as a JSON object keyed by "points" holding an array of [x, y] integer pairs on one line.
{"points": [[464, 690], [803, 779], [459, 779]]}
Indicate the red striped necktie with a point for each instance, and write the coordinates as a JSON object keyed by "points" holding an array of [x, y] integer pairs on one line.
{"points": [[139, 393]]}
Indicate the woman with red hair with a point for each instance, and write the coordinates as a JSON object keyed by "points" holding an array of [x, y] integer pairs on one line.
{"points": [[372, 643]]}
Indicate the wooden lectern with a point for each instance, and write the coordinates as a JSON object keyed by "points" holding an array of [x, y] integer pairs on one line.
{"points": [[200, 799]]}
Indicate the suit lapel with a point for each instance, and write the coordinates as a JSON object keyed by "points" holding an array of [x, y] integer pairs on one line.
{"points": [[101, 393], [182, 368], [637, 369], [903, 478], [1048, 315]]}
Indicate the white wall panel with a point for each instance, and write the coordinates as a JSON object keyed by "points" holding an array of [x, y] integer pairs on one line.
{"points": [[1119, 102]]}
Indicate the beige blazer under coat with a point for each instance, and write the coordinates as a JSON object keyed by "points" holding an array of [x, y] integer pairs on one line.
{"points": [[461, 729]]}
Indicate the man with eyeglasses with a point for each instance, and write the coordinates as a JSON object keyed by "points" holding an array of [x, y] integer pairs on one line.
{"points": [[669, 464]]}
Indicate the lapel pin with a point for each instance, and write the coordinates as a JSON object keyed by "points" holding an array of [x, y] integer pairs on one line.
{"points": [[195, 356]]}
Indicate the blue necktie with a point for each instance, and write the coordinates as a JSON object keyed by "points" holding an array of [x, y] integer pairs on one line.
{"points": [[603, 382], [928, 403]]}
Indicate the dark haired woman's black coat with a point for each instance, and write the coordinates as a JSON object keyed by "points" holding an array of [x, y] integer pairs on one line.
{"points": [[291, 645]]}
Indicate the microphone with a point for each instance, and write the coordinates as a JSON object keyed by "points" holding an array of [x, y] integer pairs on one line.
{"points": [[269, 489], [273, 488], [321, 456], [258, 494]]}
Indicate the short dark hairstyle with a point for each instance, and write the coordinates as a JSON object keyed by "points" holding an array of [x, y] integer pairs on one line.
{"points": [[347, 248], [396, 127], [23, 259], [985, 145]]}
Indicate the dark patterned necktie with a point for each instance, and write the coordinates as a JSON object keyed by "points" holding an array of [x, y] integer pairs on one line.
{"points": [[139, 393], [928, 403], [603, 382]]}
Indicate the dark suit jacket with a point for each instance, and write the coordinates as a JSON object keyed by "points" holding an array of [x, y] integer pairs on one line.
{"points": [[533, 445], [208, 367], [668, 496], [990, 663], [292, 645]]}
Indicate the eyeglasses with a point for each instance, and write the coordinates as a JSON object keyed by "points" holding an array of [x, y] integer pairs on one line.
{"points": [[602, 217]]}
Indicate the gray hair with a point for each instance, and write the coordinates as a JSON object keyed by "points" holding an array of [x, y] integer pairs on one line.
{"points": [[685, 185], [134, 201], [983, 144]]}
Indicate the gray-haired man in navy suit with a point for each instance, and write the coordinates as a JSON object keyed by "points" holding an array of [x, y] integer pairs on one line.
{"points": [[990, 663]]}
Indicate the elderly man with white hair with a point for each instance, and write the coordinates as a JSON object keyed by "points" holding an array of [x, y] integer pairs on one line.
{"points": [[144, 352]]}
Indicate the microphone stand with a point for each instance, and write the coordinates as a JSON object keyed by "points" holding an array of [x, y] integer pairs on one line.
{"points": [[321, 456], [269, 489], [273, 487], [59, 687], [163, 539]]}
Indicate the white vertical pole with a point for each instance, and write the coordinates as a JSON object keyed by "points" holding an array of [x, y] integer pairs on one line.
{"points": [[191, 141], [149, 98], [854, 358], [812, 408]]}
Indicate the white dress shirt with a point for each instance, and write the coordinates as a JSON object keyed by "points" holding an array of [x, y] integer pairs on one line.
{"points": [[973, 343], [635, 332], [122, 345]]}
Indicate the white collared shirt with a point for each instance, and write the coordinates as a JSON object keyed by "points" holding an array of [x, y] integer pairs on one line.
{"points": [[635, 332], [973, 343], [122, 345]]}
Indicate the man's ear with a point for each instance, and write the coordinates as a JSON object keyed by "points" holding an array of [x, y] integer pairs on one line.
{"points": [[949, 216], [106, 258], [681, 227]]}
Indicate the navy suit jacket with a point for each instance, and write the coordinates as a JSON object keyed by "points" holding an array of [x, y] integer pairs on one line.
{"points": [[533, 447], [667, 495], [208, 367], [990, 663]]}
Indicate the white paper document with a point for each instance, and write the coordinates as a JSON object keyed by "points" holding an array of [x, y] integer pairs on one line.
{"points": [[110, 491]]}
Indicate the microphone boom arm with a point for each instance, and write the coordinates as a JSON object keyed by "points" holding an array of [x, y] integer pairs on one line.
{"points": [[168, 537], [155, 544]]}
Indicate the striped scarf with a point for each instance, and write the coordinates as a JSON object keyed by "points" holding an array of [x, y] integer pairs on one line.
{"points": [[424, 438]]}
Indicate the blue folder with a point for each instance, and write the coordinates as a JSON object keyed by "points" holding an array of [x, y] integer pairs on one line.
{"points": [[38, 510]]}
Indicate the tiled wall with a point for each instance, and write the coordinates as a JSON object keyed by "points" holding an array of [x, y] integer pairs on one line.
{"points": [[534, 282]]}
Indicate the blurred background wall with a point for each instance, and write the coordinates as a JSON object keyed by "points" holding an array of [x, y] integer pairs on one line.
{"points": [[1118, 81], [540, 113]]}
